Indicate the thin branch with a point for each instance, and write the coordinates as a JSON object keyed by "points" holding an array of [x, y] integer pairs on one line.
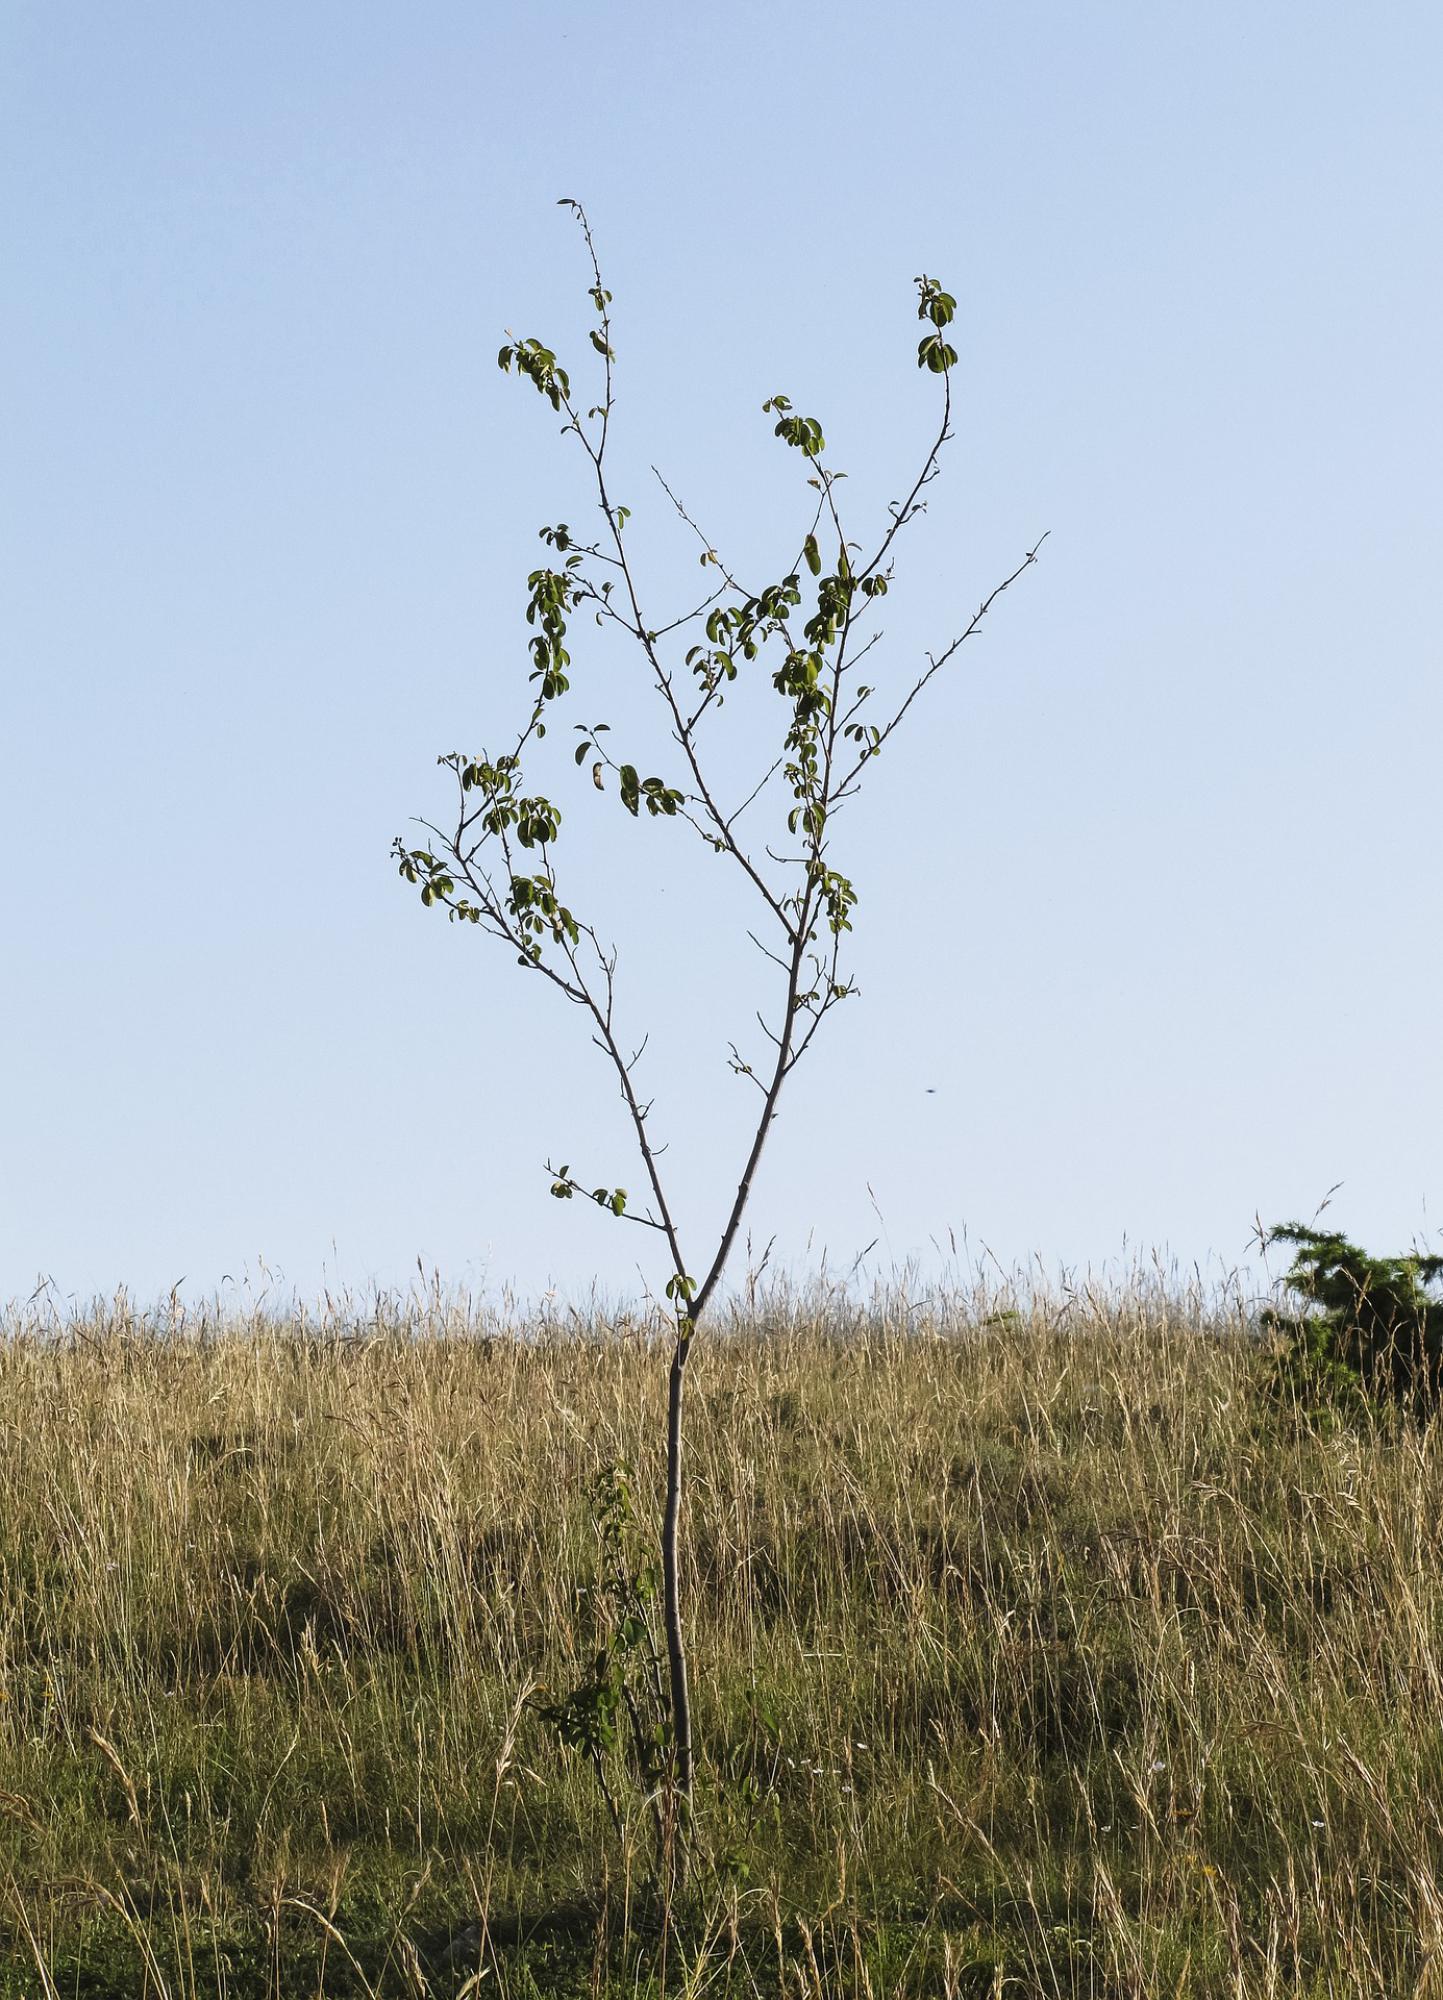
{"points": [[766, 953], [903, 514], [730, 581], [756, 793], [941, 660], [743, 1068], [696, 1304], [687, 617], [559, 1179]]}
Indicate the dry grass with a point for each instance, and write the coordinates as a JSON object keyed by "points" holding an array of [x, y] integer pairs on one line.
{"points": [[1034, 1658]]}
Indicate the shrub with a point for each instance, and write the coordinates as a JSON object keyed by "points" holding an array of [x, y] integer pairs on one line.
{"points": [[1371, 1328]]}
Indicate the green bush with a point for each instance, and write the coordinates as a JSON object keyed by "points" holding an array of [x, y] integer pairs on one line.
{"points": [[1370, 1331]]}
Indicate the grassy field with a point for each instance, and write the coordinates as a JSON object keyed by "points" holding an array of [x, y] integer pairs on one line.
{"points": [[1033, 1655]]}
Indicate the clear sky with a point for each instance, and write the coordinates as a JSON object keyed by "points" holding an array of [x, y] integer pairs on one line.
{"points": [[1149, 933]]}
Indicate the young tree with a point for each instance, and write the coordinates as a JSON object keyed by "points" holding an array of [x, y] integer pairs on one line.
{"points": [[807, 631]]}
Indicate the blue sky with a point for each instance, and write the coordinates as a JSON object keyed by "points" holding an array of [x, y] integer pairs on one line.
{"points": [[1148, 939]]}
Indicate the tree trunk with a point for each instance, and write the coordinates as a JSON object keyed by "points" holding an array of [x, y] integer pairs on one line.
{"points": [[671, 1589]]}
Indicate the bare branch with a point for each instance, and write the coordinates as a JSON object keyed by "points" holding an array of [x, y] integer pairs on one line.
{"points": [[937, 664], [756, 793]]}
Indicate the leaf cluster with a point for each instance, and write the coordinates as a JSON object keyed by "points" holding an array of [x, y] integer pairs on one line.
{"points": [[563, 1187], [540, 366], [939, 308]]}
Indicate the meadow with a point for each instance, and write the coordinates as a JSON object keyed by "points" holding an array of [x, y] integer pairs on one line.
{"points": [[1035, 1653]]}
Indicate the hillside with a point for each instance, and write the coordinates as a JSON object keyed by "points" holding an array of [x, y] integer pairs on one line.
{"points": [[1033, 1655]]}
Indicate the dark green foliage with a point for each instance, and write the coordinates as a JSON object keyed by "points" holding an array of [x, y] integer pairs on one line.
{"points": [[1371, 1331]]}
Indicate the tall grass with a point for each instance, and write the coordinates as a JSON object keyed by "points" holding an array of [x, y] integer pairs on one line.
{"points": [[1034, 1656]]}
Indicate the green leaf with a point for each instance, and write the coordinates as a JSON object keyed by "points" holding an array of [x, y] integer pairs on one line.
{"points": [[813, 555], [935, 353]]}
